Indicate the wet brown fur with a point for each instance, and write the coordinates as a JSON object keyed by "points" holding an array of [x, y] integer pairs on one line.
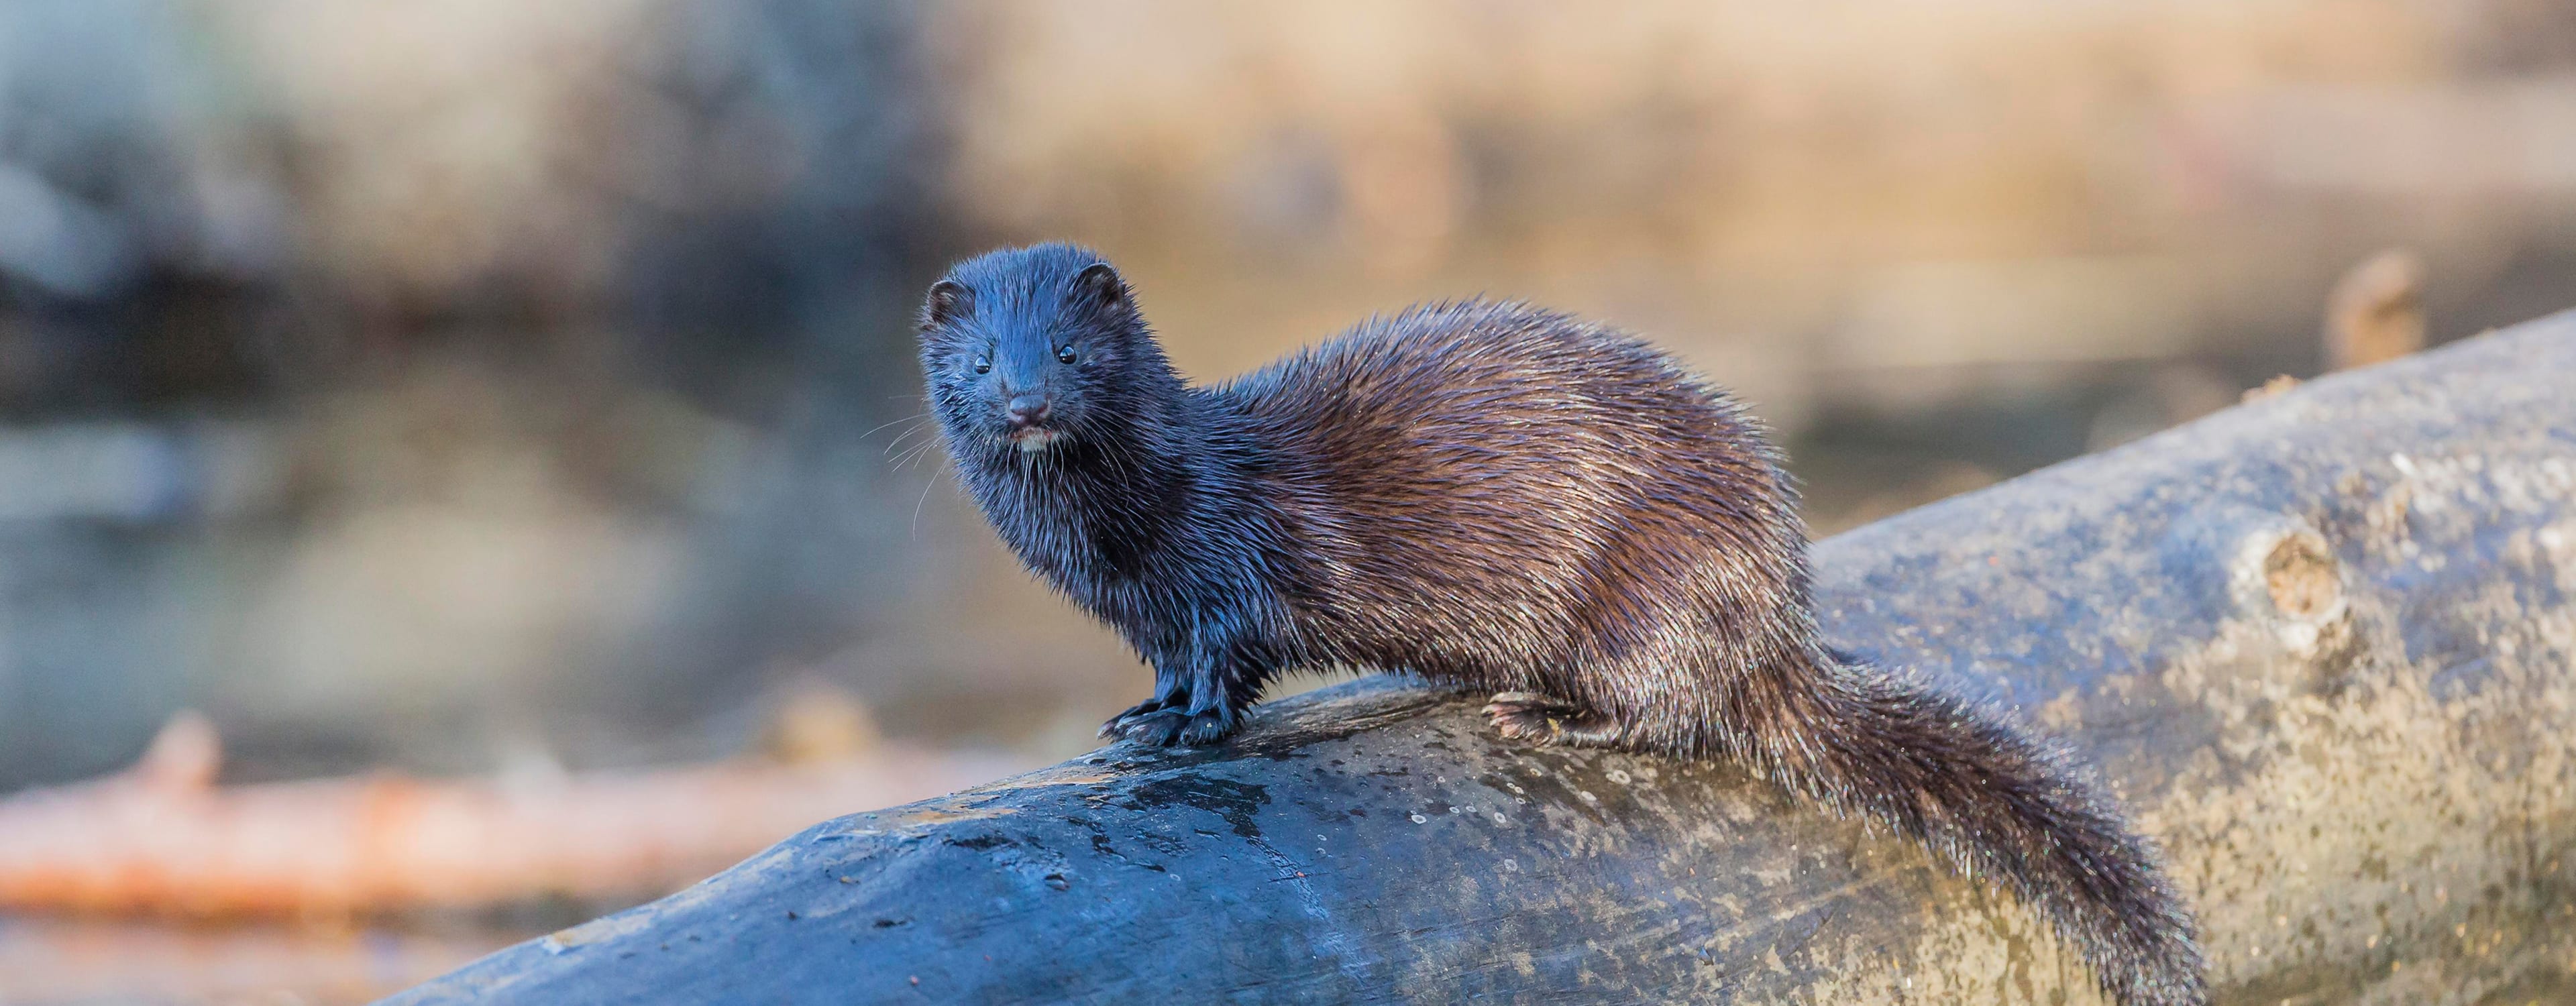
{"points": [[1507, 499]]}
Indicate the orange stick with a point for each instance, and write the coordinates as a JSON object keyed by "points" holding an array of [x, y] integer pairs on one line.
{"points": [[159, 839]]}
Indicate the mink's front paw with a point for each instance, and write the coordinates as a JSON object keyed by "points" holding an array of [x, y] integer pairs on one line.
{"points": [[1209, 727], [1169, 727], [1118, 725]]}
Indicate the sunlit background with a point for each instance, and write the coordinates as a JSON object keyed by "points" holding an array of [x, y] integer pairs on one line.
{"points": [[496, 390]]}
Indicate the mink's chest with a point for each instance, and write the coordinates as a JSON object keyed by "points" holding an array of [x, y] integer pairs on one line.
{"points": [[1143, 592], [1104, 560]]}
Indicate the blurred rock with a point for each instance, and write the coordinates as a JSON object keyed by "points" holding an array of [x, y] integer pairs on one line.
{"points": [[2376, 312]]}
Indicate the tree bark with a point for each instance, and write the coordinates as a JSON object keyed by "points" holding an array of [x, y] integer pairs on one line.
{"points": [[2319, 645]]}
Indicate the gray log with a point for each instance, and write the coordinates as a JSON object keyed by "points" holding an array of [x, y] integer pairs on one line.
{"points": [[2320, 645]]}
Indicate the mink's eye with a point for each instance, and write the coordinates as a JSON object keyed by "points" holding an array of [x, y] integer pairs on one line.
{"points": [[983, 364], [1065, 354]]}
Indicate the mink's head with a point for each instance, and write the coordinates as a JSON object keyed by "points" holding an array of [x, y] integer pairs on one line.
{"points": [[1030, 348]]}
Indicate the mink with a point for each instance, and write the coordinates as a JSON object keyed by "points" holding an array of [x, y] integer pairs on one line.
{"points": [[1499, 498]]}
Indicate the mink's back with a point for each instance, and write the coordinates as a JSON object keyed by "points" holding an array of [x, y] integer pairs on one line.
{"points": [[1498, 495]]}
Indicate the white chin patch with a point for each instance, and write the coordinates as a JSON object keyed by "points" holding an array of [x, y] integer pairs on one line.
{"points": [[1033, 441]]}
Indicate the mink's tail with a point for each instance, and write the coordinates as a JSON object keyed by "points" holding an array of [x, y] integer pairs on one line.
{"points": [[1996, 803]]}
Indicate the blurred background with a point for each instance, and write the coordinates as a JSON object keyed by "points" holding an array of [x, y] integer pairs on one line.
{"points": [[497, 390]]}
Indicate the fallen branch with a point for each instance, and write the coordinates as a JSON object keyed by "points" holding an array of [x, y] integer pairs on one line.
{"points": [[2320, 645], [161, 839]]}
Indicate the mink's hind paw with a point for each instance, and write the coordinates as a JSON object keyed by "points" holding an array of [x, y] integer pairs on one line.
{"points": [[1169, 727], [1539, 719]]}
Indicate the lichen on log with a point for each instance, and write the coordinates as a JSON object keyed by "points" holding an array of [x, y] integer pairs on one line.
{"points": [[2321, 645]]}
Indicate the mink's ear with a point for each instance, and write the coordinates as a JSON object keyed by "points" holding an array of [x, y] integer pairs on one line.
{"points": [[1099, 284], [949, 301]]}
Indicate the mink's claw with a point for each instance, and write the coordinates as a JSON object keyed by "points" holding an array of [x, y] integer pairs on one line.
{"points": [[1208, 728], [1155, 729], [1170, 727], [1542, 720], [1524, 716], [1118, 725]]}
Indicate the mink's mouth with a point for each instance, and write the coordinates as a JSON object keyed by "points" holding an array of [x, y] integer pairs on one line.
{"points": [[1034, 438]]}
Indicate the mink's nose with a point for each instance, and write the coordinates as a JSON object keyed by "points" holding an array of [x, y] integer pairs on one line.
{"points": [[1027, 410]]}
